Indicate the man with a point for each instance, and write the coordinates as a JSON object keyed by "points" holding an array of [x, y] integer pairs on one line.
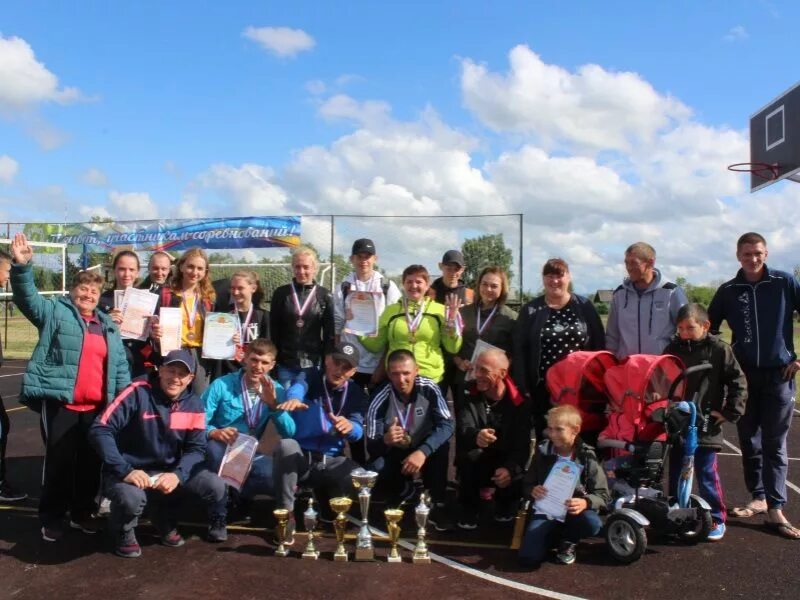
{"points": [[363, 280], [409, 428], [494, 437], [330, 415], [7, 491], [643, 311], [152, 441], [758, 305], [244, 402]]}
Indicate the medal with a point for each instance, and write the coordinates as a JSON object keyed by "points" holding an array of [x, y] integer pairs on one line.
{"points": [[191, 336], [243, 327], [191, 317], [413, 324], [301, 310], [406, 420], [407, 439], [486, 323], [252, 406], [239, 354], [326, 420]]}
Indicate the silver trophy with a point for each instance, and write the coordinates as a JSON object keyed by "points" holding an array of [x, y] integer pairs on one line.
{"points": [[310, 522], [364, 481], [421, 512]]}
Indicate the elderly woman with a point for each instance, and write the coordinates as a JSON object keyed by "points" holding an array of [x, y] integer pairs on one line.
{"points": [[549, 328], [420, 325], [77, 367]]}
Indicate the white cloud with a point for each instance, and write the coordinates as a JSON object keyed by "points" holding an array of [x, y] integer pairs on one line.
{"points": [[248, 189], [8, 169], [736, 34], [25, 81], [316, 87], [593, 107], [133, 205], [94, 177], [342, 106], [280, 41]]}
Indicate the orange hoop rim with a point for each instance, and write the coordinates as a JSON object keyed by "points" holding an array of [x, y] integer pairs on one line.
{"points": [[757, 168]]}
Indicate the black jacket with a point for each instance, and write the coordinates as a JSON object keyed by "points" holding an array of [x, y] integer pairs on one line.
{"points": [[727, 385], [593, 483], [138, 352], [301, 347], [528, 332], [510, 417]]}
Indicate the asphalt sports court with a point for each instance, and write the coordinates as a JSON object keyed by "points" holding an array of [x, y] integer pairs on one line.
{"points": [[750, 562]]}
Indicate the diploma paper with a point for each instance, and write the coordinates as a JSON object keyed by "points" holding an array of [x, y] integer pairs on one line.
{"points": [[560, 484], [480, 348], [218, 332], [137, 308], [171, 322], [362, 312], [118, 297], [238, 459]]}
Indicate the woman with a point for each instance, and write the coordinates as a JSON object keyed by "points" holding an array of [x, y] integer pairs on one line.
{"points": [[419, 324], [77, 367], [191, 291], [549, 328], [159, 270], [488, 320]]}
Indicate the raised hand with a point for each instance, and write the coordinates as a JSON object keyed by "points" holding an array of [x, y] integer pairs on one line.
{"points": [[21, 250]]}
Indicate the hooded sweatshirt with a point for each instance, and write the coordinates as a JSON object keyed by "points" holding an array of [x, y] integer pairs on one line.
{"points": [[643, 321]]}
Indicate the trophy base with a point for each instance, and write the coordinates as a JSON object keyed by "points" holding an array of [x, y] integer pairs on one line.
{"points": [[281, 553], [365, 554], [340, 557], [421, 560], [394, 559]]}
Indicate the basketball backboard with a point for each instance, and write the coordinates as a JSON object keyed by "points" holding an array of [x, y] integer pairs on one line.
{"points": [[775, 141]]}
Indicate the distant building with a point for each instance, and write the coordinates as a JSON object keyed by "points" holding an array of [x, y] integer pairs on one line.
{"points": [[603, 296]]}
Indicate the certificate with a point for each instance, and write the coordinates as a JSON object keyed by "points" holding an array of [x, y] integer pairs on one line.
{"points": [[238, 458], [119, 295], [361, 313], [560, 484], [480, 348], [218, 332], [171, 322], [137, 308]]}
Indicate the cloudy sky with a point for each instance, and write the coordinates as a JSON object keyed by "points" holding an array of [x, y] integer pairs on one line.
{"points": [[603, 124]]}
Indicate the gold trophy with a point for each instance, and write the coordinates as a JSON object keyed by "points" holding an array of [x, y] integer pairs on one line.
{"points": [[340, 506], [282, 518], [310, 521], [393, 518], [364, 481], [421, 512]]}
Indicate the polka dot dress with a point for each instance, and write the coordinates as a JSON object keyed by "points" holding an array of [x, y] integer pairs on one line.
{"points": [[563, 333]]}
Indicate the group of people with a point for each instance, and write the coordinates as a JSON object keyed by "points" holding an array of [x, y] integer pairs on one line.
{"points": [[160, 425]]}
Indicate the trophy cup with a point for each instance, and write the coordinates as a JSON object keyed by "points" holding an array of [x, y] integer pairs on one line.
{"points": [[393, 518], [340, 506], [310, 521], [363, 481], [281, 517], [421, 512]]}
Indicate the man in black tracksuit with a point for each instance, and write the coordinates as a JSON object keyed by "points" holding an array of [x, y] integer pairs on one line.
{"points": [[493, 440]]}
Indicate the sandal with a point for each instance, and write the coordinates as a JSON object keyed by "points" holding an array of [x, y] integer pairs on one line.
{"points": [[750, 510], [784, 529]]}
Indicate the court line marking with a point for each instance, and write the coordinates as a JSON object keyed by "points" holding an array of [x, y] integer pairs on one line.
{"points": [[739, 455], [12, 375], [789, 484], [17, 408], [522, 587]]}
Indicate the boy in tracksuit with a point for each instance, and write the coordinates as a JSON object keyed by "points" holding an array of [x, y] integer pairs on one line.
{"points": [[409, 427], [641, 318], [152, 441], [724, 400]]}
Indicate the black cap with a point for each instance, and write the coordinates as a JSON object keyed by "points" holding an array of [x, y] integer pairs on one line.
{"points": [[453, 256], [363, 245], [181, 356], [347, 352]]}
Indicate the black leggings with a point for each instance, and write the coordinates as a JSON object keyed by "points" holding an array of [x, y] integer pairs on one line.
{"points": [[5, 426]]}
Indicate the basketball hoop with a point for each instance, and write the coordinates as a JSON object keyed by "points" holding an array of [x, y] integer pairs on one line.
{"points": [[759, 169]]}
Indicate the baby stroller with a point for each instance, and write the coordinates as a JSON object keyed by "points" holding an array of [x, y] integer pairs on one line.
{"points": [[648, 416]]}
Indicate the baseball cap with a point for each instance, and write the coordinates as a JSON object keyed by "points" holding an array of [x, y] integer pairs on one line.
{"points": [[363, 245], [181, 356], [347, 352], [453, 256]]}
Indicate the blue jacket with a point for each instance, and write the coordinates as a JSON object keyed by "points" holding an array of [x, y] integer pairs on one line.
{"points": [[224, 408], [760, 316], [314, 431], [53, 368], [143, 429]]}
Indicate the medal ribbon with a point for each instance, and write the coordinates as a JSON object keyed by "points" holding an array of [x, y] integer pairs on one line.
{"points": [[306, 304], [488, 319], [252, 410], [326, 421], [407, 420], [413, 324], [190, 317], [243, 327], [457, 323]]}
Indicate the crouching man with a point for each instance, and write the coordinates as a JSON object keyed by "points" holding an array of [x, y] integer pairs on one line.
{"points": [[152, 441]]}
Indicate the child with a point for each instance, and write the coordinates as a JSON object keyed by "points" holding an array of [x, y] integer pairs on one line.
{"points": [[694, 346], [591, 493]]}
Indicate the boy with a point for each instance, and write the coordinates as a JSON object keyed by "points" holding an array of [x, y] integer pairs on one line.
{"points": [[591, 493], [724, 400]]}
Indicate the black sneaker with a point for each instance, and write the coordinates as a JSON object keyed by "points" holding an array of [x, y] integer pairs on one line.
{"points": [[468, 519], [9, 494], [52, 533], [504, 513], [83, 525], [127, 546], [566, 553], [440, 518], [218, 531]]}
